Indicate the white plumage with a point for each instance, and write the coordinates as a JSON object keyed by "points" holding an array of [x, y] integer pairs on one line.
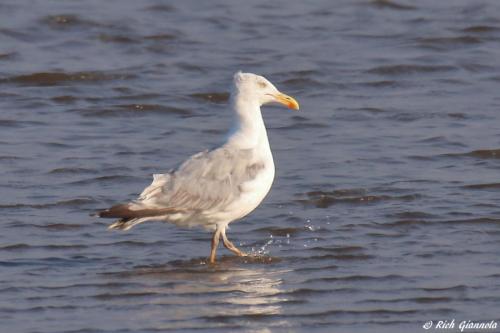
{"points": [[214, 188]]}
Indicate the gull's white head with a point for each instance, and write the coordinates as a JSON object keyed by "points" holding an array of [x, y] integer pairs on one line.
{"points": [[251, 87]]}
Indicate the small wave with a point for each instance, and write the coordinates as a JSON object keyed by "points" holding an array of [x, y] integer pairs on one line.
{"points": [[104, 285], [357, 278], [386, 4], [129, 96], [392, 234], [15, 247], [418, 300], [444, 43], [8, 56], [303, 125], [214, 131], [313, 269], [457, 115], [60, 226], [421, 222], [458, 288], [71, 170], [58, 78], [300, 73], [442, 140], [281, 232], [17, 34], [49, 308], [490, 186], [160, 37], [301, 292], [9, 123], [302, 82], [412, 215], [131, 243], [480, 29], [62, 19], [77, 202], [448, 253], [410, 69], [474, 221], [494, 276], [404, 223], [126, 295], [132, 110], [482, 153], [58, 145], [161, 8], [68, 21], [476, 68], [11, 158], [113, 178], [321, 199], [342, 257], [338, 250], [214, 97], [373, 313], [62, 247], [338, 193], [381, 84], [121, 39], [154, 107], [24, 247], [66, 99], [363, 109]]}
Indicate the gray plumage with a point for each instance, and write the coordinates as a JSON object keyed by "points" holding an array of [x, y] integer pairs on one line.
{"points": [[210, 180]]}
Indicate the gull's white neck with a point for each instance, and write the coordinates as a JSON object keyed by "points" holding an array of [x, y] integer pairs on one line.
{"points": [[248, 130]]}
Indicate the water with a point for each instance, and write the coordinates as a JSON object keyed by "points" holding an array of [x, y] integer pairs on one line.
{"points": [[384, 213]]}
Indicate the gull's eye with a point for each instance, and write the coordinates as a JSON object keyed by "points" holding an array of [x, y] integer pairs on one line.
{"points": [[262, 84]]}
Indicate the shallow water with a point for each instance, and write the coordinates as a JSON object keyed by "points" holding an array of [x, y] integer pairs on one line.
{"points": [[384, 213]]}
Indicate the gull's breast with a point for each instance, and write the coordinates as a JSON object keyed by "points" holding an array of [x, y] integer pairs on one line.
{"points": [[251, 192], [254, 191]]}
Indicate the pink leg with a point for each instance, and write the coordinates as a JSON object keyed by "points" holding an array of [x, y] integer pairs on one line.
{"points": [[230, 246], [215, 244]]}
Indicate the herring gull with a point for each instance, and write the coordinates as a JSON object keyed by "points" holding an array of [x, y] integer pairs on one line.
{"points": [[214, 188]]}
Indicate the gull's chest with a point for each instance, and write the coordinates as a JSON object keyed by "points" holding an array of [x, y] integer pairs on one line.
{"points": [[253, 191]]}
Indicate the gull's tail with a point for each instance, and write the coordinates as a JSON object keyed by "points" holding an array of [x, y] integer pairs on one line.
{"points": [[131, 214], [125, 224]]}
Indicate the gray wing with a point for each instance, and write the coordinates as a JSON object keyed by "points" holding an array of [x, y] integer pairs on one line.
{"points": [[206, 180]]}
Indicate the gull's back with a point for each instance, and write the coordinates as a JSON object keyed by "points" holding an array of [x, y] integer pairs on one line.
{"points": [[203, 191]]}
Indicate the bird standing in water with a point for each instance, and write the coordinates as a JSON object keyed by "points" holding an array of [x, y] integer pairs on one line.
{"points": [[214, 188]]}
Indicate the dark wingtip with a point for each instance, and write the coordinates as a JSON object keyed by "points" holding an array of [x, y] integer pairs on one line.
{"points": [[110, 212], [118, 211], [102, 213], [124, 212], [96, 214]]}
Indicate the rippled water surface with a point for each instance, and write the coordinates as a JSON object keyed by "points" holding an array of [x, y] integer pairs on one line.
{"points": [[385, 210]]}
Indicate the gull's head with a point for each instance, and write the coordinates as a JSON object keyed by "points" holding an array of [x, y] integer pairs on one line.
{"points": [[257, 88]]}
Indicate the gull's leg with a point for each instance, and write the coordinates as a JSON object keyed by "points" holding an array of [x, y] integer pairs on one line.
{"points": [[230, 246], [215, 243]]}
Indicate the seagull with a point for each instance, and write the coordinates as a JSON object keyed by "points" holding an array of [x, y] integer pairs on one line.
{"points": [[215, 187]]}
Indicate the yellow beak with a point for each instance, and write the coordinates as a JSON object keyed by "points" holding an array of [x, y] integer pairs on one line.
{"points": [[288, 101]]}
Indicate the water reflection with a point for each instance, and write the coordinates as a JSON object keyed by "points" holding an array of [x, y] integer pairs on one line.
{"points": [[233, 291]]}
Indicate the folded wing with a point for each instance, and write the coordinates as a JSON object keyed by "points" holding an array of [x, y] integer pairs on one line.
{"points": [[208, 180]]}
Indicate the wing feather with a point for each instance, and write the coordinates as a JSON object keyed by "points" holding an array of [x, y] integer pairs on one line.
{"points": [[206, 180]]}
